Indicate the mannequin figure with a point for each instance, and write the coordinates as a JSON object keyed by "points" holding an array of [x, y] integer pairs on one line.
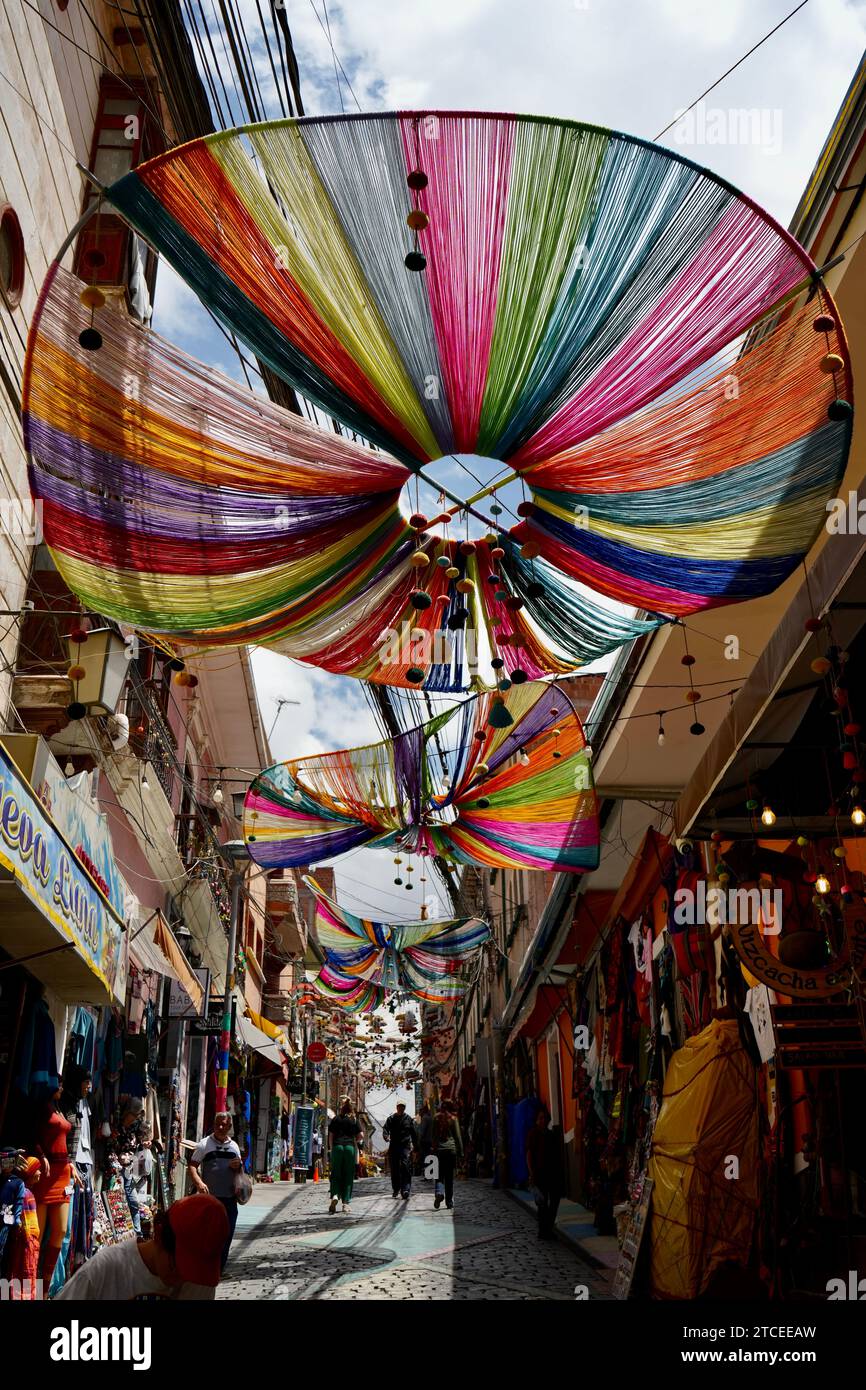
{"points": [[55, 1189]]}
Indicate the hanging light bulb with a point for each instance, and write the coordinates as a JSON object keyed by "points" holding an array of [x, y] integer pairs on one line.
{"points": [[661, 733], [145, 785], [69, 770], [768, 816], [858, 815], [218, 798], [822, 884], [523, 758]]}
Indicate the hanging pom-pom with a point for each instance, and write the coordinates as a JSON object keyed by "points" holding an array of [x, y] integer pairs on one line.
{"points": [[526, 509], [696, 728], [417, 220], [535, 590], [467, 547], [840, 410], [420, 599], [92, 297], [419, 559], [519, 676], [452, 572], [76, 710], [497, 553], [415, 674], [464, 586], [417, 521], [499, 717], [76, 673], [415, 261], [820, 665], [832, 362], [79, 634], [90, 339], [824, 323], [417, 179]]}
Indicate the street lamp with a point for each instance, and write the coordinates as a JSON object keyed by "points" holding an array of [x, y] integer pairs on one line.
{"points": [[98, 667], [234, 852]]}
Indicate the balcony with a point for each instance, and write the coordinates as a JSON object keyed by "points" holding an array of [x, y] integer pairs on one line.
{"points": [[289, 929]]}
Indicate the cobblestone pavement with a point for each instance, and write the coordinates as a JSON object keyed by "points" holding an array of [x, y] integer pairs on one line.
{"points": [[287, 1246]]}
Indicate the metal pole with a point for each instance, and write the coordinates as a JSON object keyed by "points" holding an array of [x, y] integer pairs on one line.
{"points": [[226, 1035]]}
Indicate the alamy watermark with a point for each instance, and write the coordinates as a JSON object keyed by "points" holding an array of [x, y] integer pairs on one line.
{"points": [[713, 906], [758, 126], [21, 517]]}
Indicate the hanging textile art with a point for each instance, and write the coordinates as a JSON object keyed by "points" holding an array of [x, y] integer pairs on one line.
{"points": [[424, 958], [502, 780], [649, 355]]}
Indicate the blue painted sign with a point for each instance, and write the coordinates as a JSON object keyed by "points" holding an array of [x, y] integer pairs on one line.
{"points": [[47, 869]]}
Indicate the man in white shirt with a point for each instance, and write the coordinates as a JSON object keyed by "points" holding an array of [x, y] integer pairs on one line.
{"points": [[219, 1159], [182, 1260]]}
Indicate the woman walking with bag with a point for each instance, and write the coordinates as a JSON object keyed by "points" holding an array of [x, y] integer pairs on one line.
{"points": [[448, 1150], [344, 1132]]}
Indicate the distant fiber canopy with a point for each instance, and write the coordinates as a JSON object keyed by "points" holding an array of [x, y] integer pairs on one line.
{"points": [[642, 347]]}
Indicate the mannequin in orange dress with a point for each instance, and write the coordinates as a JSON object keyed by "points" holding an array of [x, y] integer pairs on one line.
{"points": [[54, 1192]]}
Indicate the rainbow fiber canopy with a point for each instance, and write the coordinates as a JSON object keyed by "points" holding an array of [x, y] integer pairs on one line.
{"points": [[519, 795], [653, 358], [421, 958]]}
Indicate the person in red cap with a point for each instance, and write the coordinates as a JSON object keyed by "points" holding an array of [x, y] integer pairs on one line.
{"points": [[182, 1260]]}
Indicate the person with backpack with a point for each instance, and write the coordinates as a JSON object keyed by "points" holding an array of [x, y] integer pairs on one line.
{"points": [[447, 1150], [214, 1167], [402, 1139]]}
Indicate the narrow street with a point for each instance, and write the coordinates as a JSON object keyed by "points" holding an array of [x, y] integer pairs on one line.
{"points": [[287, 1246]]}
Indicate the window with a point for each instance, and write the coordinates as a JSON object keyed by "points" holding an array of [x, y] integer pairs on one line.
{"points": [[11, 256], [126, 134]]}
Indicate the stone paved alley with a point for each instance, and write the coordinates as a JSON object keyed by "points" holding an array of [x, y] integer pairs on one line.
{"points": [[287, 1246]]}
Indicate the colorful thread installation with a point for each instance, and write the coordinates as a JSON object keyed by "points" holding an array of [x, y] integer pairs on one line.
{"points": [[422, 958], [628, 335], [503, 780]]}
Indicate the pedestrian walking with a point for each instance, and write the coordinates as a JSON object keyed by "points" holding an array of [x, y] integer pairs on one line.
{"points": [[219, 1159], [402, 1139], [182, 1259], [546, 1172], [448, 1151], [344, 1131]]}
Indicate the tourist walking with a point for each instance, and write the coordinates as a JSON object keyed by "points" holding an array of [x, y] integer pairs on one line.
{"points": [[214, 1166], [546, 1171], [448, 1151], [402, 1139], [344, 1132]]}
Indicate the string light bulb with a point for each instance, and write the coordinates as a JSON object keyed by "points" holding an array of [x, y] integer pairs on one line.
{"points": [[523, 758], [145, 785], [768, 816], [661, 733], [218, 798], [822, 884], [858, 816]]}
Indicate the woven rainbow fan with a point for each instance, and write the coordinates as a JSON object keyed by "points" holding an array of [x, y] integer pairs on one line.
{"points": [[515, 796], [421, 958], [651, 355]]}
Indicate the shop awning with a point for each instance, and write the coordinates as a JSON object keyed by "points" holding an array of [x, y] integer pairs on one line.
{"points": [[259, 1041], [153, 947], [54, 918]]}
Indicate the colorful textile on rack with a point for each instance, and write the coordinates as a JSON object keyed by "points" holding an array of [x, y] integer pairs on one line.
{"points": [[633, 339], [454, 786], [424, 958]]}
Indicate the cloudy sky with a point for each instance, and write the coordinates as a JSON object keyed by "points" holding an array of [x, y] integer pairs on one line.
{"points": [[616, 63]]}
